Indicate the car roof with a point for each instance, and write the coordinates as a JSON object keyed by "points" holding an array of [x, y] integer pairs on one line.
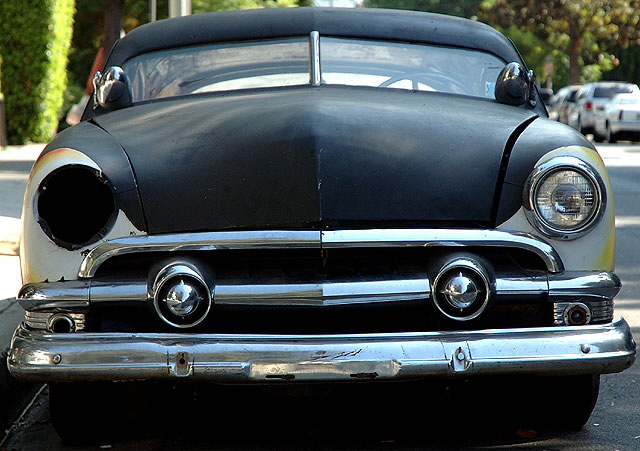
{"points": [[569, 88], [607, 84], [225, 26]]}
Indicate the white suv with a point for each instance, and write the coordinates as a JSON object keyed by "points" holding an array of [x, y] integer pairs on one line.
{"points": [[592, 100]]}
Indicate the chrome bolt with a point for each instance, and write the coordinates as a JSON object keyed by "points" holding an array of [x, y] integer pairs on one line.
{"points": [[460, 356], [56, 359], [585, 348]]}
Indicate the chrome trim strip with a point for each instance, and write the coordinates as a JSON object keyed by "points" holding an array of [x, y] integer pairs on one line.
{"points": [[43, 357], [284, 239], [126, 291], [202, 241], [323, 294], [70, 296], [314, 47], [520, 286], [598, 287], [443, 238]]}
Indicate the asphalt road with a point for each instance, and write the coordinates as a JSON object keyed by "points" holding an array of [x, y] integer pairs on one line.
{"points": [[331, 421]]}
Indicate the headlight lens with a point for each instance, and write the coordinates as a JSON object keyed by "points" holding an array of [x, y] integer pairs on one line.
{"points": [[564, 197]]}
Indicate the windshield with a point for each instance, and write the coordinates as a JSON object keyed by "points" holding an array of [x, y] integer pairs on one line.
{"points": [[610, 91], [289, 62]]}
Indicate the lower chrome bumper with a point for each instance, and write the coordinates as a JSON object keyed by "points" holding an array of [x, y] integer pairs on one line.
{"points": [[45, 357]]}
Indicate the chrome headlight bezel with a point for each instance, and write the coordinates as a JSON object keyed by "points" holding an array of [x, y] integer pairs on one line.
{"points": [[540, 174]]}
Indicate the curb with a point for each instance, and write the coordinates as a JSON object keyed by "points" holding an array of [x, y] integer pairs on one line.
{"points": [[10, 227], [9, 235], [15, 396], [27, 152]]}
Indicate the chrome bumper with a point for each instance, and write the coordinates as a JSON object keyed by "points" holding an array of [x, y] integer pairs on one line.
{"points": [[45, 357]]}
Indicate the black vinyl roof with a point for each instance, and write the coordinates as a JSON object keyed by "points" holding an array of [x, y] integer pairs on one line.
{"points": [[409, 26]]}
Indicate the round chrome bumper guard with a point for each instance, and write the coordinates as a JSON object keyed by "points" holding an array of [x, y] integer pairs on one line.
{"points": [[181, 297], [462, 289]]}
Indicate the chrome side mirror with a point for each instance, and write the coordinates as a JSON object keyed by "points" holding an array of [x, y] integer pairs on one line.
{"points": [[515, 85], [112, 89]]}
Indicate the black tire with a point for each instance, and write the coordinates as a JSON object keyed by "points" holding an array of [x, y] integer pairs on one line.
{"points": [[83, 413], [611, 137], [555, 402]]}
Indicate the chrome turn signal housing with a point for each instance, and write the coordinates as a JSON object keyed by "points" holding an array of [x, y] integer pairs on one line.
{"points": [[564, 198]]}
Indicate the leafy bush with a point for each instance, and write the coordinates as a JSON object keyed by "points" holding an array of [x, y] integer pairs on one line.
{"points": [[35, 36]]}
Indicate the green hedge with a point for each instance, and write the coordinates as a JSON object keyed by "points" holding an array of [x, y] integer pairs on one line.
{"points": [[35, 37]]}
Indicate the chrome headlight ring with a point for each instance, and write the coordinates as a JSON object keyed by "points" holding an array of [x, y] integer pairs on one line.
{"points": [[564, 198]]}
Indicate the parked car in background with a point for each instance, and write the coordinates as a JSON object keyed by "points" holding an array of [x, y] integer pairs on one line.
{"points": [[309, 195], [591, 101], [621, 118], [563, 102]]}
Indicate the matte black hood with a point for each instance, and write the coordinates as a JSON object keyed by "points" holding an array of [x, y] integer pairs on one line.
{"points": [[315, 157]]}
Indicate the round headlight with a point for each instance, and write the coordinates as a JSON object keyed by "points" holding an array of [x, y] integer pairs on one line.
{"points": [[75, 206], [564, 198]]}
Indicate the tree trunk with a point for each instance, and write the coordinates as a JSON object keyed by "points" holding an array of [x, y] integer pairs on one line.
{"points": [[575, 65], [113, 18]]}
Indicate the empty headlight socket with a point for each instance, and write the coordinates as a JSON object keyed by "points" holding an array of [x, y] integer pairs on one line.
{"points": [[75, 206]]}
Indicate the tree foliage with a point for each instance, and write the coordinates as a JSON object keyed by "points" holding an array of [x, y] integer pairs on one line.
{"points": [[462, 8], [629, 67], [201, 6], [34, 44], [89, 29], [585, 31]]}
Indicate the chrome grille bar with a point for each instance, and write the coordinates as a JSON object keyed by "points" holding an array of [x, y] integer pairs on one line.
{"points": [[50, 296], [323, 294], [288, 239]]}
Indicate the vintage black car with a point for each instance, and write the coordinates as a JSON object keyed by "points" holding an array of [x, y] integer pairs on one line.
{"points": [[318, 195]]}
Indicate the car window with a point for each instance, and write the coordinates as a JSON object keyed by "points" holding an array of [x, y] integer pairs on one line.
{"points": [[222, 67], [571, 97], [610, 91], [286, 62], [409, 66]]}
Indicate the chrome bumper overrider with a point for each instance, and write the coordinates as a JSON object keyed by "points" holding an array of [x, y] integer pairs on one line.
{"points": [[45, 357]]}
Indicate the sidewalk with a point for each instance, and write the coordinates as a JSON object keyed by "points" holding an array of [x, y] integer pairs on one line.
{"points": [[10, 282], [10, 226], [13, 395]]}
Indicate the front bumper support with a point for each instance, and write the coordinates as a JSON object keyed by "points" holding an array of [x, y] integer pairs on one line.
{"points": [[44, 357]]}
